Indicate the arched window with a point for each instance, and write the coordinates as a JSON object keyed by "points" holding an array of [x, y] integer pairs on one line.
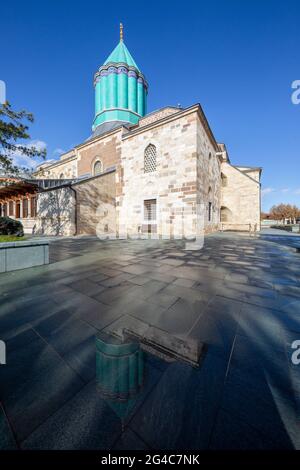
{"points": [[225, 214], [150, 159], [98, 168], [224, 180], [61, 177]]}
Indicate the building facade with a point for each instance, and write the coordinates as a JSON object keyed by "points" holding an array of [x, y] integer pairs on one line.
{"points": [[161, 173]]}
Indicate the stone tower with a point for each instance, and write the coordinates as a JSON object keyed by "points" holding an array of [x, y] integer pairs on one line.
{"points": [[120, 89]]}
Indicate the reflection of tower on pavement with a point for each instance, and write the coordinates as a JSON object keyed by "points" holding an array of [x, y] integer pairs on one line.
{"points": [[119, 372]]}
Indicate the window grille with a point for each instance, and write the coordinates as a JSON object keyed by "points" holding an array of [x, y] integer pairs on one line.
{"points": [[150, 209], [150, 159]]}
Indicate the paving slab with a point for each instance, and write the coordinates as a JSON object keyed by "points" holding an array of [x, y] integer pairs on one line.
{"points": [[238, 297], [7, 441], [88, 420], [186, 402]]}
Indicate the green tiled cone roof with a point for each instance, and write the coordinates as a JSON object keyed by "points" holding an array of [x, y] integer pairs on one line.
{"points": [[120, 89], [121, 54]]}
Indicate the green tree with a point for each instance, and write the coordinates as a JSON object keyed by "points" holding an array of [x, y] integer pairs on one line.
{"points": [[14, 130]]}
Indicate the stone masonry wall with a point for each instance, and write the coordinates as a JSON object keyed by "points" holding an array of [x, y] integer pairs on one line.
{"points": [[107, 149], [62, 169], [96, 208], [208, 180], [156, 115], [56, 212], [241, 196], [173, 184]]}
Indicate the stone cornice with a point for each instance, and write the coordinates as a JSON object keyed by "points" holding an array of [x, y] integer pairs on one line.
{"points": [[91, 178], [59, 162], [172, 117], [99, 137]]}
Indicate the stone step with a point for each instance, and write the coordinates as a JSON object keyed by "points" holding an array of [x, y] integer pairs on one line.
{"points": [[159, 342]]}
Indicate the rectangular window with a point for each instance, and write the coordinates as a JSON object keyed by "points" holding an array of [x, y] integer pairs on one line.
{"points": [[150, 209], [209, 211]]}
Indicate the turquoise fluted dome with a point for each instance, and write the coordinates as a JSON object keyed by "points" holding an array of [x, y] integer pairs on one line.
{"points": [[120, 89], [121, 54]]}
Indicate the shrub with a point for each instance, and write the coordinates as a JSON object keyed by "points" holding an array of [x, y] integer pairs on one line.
{"points": [[287, 228], [10, 226]]}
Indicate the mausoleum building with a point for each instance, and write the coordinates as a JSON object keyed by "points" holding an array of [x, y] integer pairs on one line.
{"points": [[162, 173]]}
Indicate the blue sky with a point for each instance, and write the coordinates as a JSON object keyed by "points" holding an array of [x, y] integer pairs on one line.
{"points": [[237, 58]]}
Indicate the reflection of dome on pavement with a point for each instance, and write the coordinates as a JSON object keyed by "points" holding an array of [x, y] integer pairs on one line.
{"points": [[120, 367]]}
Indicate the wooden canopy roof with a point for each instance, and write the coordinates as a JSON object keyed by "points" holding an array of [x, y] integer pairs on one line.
{"points": [[16, 187]]}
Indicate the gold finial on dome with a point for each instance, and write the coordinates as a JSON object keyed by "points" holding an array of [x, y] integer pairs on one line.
{"points": [[121, 31]]}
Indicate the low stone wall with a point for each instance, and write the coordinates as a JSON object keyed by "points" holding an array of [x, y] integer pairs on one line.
{"points": [[28, 225], [56, 212], [87, 207], [20, 255], [238, 227], [96, 205]]}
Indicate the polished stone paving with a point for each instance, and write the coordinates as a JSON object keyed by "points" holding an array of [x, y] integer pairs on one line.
{"points": [[238, 296]]}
